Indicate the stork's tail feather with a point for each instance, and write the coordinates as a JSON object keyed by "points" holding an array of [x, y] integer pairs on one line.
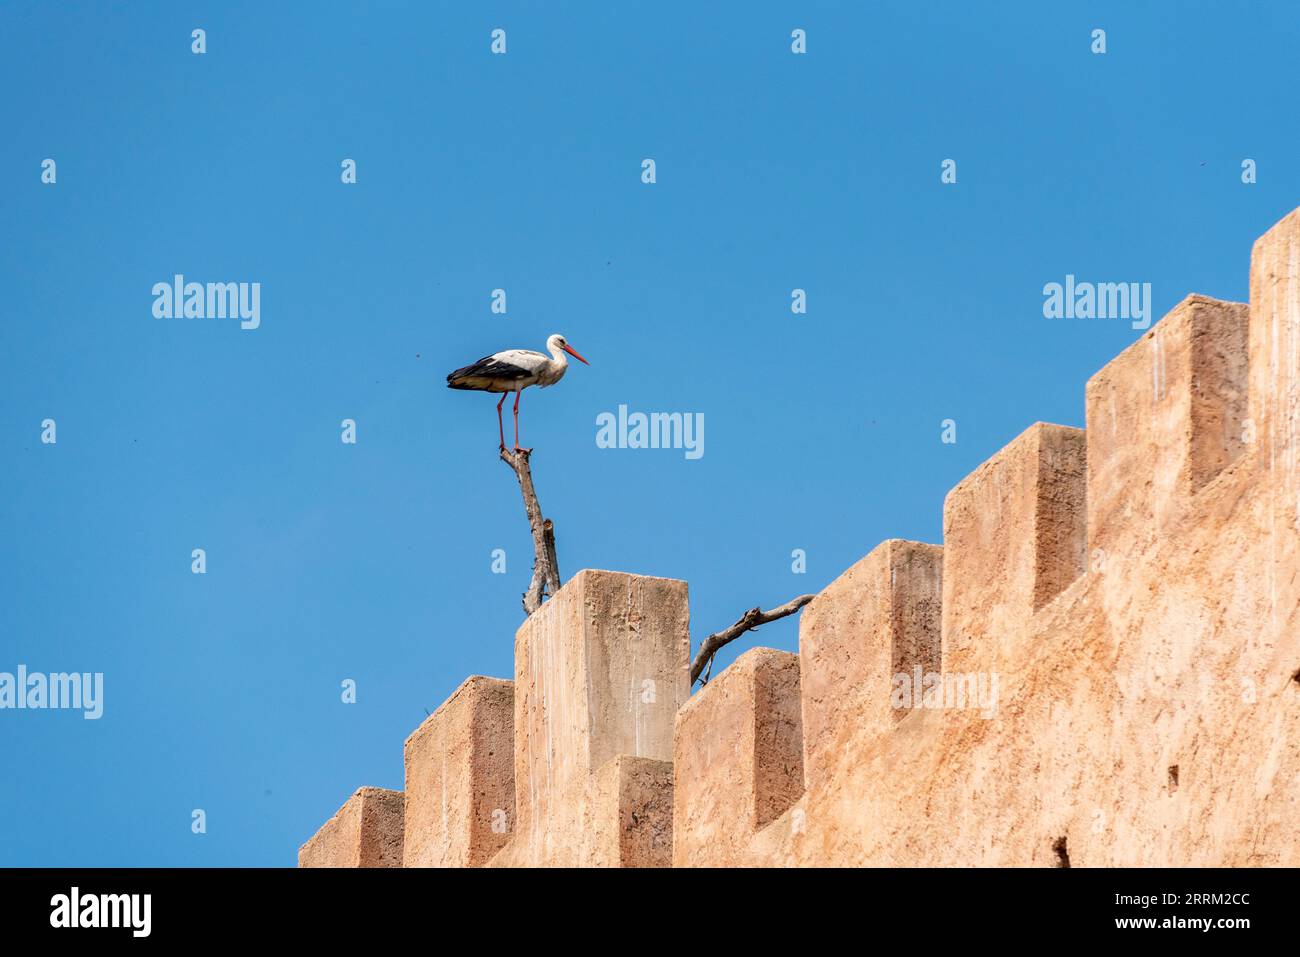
{"points": [[456, 380]]}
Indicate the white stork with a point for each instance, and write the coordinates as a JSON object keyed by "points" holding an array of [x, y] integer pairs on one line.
{"points": [[513, 371]]}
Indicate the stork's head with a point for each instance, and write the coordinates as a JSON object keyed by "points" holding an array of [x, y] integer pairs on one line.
{"points": [[557, 344]]}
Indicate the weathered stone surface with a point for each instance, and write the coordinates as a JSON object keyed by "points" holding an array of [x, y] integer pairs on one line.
{"points": [[632, 823], [460, 778], [1275, 351], [365, 832]]}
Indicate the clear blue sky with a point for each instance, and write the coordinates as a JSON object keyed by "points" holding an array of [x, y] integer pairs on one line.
{"points": [[373, 562]]}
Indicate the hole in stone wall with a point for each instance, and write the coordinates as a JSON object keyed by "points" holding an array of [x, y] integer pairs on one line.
{"points": [[1062, 852], [1296, 677], [1173, 778]]}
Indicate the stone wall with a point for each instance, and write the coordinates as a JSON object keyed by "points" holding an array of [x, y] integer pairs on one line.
{"points": [[1099, 666]]}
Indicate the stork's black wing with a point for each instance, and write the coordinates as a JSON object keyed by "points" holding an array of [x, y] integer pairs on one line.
{"points": [[489, 367]]}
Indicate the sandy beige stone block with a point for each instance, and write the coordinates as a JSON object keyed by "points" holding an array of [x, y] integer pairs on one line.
{"points": [[1014, 534], [1165, 417], [879, 619], [365, 832], [600, 671], [739, 757], [460, 778]]}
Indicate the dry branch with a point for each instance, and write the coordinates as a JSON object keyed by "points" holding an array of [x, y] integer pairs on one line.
{"points": [[552, 560], [546, 567], [750, 619]]}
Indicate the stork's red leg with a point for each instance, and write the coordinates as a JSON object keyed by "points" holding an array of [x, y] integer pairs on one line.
{"points": [[501, 425], [518, 393]]}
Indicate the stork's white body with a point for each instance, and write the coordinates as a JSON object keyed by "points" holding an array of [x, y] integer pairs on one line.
{"points": [[515, 370]]}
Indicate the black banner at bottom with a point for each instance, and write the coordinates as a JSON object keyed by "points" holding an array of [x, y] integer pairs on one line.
{"points": [[1152, 906]]}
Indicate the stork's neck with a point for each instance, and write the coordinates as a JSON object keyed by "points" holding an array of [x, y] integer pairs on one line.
{"points": [[558, 359]]}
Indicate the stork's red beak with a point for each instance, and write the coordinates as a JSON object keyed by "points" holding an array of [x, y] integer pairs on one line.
{"points": [[576, 356]]}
